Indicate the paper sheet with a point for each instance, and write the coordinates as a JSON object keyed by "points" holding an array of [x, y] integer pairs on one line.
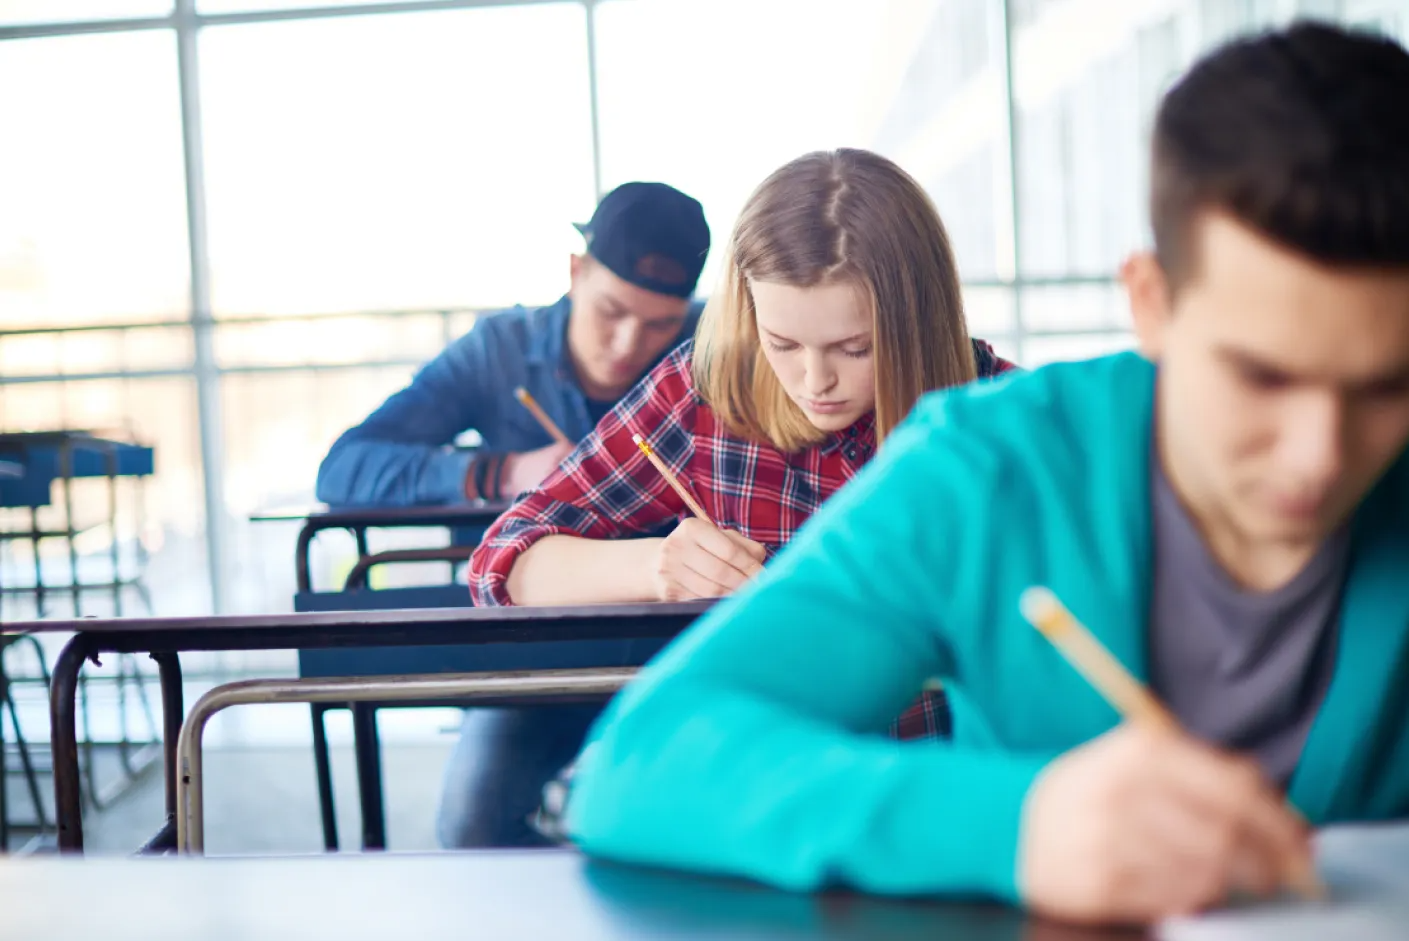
{"points": [[1366, 869]]}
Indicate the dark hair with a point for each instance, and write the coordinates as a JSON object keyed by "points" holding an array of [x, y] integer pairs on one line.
{"points": [[1301, 133]]}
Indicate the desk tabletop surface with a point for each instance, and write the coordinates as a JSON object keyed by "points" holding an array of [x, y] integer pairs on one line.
{"points": [[477, 511], [569, 615], [56, 434], [535, 894], [60, 436]]}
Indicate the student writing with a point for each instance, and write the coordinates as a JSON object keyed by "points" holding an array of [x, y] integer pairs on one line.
{"points": [[1228, 514]]}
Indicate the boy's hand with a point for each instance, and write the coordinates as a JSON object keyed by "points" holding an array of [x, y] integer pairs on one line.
{"points": [[1144, 823]]}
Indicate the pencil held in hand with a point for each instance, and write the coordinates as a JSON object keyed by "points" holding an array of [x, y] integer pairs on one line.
{"points": [[1128, 695], [671, 479], [528, 402], [1131, 698]]}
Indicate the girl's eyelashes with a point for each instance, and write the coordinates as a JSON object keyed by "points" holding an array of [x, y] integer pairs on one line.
{"points": [[780, 347]]}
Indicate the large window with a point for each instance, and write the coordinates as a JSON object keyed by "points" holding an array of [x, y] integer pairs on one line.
{"points": [[1087, 78], [251, 6], [92, 192], [713, 95], [14, 12], [393, 163], [407, 161], [858, 73], [93, 234], [1056, 214]]}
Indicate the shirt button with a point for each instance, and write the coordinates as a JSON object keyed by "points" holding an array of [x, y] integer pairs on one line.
{"points": [[851, 432], [850, 452]]}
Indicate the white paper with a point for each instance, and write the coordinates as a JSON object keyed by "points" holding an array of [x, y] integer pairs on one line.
{"points": [[1366, 870]]}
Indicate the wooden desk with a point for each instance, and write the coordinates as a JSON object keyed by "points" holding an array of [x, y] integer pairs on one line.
{"points": [[361, 519], [165, 638], [535, 895]]}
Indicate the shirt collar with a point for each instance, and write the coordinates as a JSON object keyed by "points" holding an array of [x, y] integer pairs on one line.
{"points": [[548, 334], [861, 435]]}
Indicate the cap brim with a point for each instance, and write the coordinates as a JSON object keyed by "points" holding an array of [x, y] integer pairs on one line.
{"points": [[584, 228]]}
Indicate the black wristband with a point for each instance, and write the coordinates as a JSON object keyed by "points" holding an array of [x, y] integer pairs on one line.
{"points": [[495, 475], [477, 468]]}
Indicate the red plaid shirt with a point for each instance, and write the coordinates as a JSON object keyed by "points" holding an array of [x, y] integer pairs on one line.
{"points": [[607, 489]]}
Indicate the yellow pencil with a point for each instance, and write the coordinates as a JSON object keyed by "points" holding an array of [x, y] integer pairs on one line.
{"points": [[527, 401], [1131, 698], [671, 479]]}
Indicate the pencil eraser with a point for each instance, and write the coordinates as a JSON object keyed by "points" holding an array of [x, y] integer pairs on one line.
{"points": [[636, 439], [1037, 604]]}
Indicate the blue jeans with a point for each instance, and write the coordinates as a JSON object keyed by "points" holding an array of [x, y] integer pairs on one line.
{"points": [[494, 781]]}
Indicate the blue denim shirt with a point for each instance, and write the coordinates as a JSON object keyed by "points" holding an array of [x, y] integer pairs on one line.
{"points": [[404, 453]]}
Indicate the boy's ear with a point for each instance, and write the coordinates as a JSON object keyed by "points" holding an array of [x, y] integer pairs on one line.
{"points": [[1147, 289]]}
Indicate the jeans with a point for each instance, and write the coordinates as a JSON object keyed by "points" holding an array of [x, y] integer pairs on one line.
{"points": [[494, 781]]}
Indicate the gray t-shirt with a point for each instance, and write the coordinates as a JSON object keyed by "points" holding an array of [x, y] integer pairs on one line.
{"points": [[1245, 670]]}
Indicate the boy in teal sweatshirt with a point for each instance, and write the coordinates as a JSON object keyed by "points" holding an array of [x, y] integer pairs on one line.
{"points": [[1228, 513]]}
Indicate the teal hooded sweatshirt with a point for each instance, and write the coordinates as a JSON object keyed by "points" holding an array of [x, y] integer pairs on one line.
{"points": [[753, 746]]}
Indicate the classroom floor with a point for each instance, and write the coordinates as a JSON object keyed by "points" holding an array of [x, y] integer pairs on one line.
{"points": [[261, 792], [265, 801]]}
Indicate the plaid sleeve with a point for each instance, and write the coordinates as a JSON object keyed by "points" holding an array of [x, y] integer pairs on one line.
{"points": [[928, 717], [606, 489], [989, 363]]}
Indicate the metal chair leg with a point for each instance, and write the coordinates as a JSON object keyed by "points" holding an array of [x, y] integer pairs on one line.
{"points": [[31, 776], [70, 527], [34, 530], [39, 655], [367, 751], [90, 773], [124, 753], [131, 670], [63, 724], [4, 763], [322, 764]]}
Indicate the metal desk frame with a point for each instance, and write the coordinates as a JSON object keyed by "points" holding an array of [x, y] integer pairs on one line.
{"points": [[503, 688], [164, 639], [358, 520]]}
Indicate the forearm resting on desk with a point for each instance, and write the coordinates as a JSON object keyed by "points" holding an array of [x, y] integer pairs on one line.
{"points": [[563, 570], [364, 472]]}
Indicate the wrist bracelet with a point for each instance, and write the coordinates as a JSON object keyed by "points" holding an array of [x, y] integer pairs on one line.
{"points": [[495, 475], [477, 469]]}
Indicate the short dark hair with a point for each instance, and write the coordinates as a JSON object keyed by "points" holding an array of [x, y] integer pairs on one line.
{"points": [[1301, 133]]}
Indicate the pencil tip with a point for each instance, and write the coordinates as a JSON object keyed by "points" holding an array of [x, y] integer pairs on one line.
{"points": [[636, 439]]}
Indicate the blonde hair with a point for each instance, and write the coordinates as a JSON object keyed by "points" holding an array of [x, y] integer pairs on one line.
{"points": [[842, 216]]}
